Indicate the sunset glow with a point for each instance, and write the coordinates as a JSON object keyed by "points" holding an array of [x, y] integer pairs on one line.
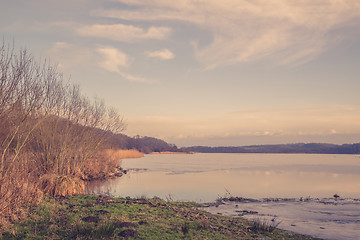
{"points": [[212, 72]]}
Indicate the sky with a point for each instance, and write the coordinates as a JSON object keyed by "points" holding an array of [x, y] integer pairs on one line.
{"points": [[196, 72]]}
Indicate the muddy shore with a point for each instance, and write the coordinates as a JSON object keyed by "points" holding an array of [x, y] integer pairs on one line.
{"points": [[329, 218]]}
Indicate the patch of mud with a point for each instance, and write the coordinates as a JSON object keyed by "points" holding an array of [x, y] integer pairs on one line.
{"points": [[124, 224], [323, 218]]}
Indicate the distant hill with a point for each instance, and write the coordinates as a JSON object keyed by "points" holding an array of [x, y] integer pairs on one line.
{"points": [[316, 148], [150, 144]]}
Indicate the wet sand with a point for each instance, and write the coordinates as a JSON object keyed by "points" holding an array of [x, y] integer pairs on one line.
{"points": [[323, 218]]}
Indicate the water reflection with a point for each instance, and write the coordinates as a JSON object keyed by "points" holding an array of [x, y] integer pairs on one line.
{"points": [[204, 177]]}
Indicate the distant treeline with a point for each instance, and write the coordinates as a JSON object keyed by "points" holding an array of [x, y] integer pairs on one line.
{"points": [[315, 148], [142, 144]]}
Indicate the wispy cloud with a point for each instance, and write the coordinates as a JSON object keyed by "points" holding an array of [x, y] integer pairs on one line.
{"points": [[114, 60], [108, 58], [287, 32], [124, 33], [61, 45], [164, 54]]}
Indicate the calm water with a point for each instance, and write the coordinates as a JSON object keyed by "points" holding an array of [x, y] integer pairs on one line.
{"points": [[204, 177]]}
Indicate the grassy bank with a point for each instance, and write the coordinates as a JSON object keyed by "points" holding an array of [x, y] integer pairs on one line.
{"points": [[20, 188], [102, 217]]}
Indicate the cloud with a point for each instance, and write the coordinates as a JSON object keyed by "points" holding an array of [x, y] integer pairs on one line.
{"points": [[286, 32], [60, 46], [124, 33], [164, 54], [115, 61], [73, 56]]}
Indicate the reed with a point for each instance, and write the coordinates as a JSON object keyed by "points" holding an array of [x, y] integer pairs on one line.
{"points": [[18, 189], [52, 137], [263, 225], [123, 153], [55, 185]]}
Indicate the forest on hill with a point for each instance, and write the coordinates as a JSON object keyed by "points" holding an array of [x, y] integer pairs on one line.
{"points": [[142, 144]]}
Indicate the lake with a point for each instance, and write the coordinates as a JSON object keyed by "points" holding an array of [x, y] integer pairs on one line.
{"points": [[205, 177], [311, 180]]}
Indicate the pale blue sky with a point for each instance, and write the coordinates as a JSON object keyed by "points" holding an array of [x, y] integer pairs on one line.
{"points": [[229, 72]]}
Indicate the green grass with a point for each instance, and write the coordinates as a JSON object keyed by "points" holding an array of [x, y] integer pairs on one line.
{"points": [[101, 217]]}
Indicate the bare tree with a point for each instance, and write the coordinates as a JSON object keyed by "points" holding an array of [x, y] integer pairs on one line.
{"points": [[47, 126]]}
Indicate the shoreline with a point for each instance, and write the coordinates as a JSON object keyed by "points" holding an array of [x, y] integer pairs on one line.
{"points": [[167, 152], [326, 218], [118, 171]]}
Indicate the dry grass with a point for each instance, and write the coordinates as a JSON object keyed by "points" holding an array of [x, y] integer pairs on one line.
{"points": [[15, 195], [97, 167], [105, 163], [122, 153], [18, 189], [56, 185], [22, 185]]}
